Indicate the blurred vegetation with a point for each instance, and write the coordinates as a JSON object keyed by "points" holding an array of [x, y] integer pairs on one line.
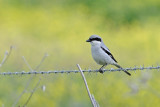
{"points": [[130, 28]]}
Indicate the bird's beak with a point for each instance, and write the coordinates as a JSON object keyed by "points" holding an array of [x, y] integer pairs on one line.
{"points": [[88, 40]]}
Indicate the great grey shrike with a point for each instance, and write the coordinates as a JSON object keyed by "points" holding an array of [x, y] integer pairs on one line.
{"points": [[101, 54]]}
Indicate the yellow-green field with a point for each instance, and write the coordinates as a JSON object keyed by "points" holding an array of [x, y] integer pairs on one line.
{"points": [[130, 29]]}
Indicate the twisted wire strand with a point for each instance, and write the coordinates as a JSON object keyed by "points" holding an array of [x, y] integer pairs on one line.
{"points": [[76, 71]]}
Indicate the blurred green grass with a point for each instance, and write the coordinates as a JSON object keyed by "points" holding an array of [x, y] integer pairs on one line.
{"points": [[60, 28]]}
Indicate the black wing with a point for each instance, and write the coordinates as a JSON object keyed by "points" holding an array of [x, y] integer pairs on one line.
{"points": [[108, 53]]}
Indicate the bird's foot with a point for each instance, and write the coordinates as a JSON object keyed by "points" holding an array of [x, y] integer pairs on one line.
{"points": [[101, 71]]}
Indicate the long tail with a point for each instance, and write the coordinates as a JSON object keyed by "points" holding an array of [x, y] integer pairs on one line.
{"points": [[122, 68]]}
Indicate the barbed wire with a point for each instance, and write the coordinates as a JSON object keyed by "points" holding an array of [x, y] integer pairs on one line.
{"points": [[76, 71]]}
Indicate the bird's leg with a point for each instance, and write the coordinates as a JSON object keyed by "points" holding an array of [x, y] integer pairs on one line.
{"points": [[101, 69]]}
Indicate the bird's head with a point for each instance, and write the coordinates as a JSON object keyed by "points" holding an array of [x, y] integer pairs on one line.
{"points": [[94, 40]]}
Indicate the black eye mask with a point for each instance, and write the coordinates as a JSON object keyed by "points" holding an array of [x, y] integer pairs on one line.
{"points": [[95, 39]]}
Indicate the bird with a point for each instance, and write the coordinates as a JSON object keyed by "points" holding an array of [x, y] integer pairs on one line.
{"points": [[101, 54]]}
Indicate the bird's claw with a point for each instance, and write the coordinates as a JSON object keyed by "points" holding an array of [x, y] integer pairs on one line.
{"points": [[101, 71]]}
